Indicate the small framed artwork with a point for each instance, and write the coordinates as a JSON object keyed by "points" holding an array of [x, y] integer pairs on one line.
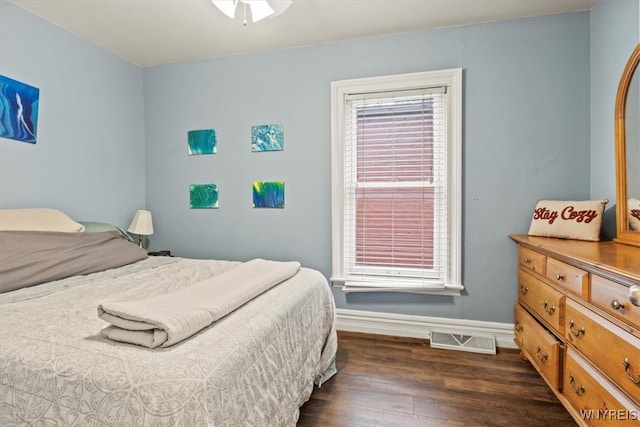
{"points": [[203, 141], [203, 196], [267, 138], [18, 110], [269, 194]]}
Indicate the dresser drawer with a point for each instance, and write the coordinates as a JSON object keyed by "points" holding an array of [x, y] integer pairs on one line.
{"points": [[569, 277], [532, 260], [519, 326], [614, 351], [546, 302], [613, 298], [542, 348], [599, 402]]}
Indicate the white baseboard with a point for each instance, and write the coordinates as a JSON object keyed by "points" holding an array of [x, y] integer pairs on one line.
{"points": [[405, 325]]}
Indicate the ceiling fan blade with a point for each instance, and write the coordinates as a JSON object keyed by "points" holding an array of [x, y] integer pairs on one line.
{"points": [[260, 9], [228, 7], [279, 6]]}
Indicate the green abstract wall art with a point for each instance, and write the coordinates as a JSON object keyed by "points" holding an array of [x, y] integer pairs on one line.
{"points": [[203, 141], [268, 194], [203, 196], [267, 138]]}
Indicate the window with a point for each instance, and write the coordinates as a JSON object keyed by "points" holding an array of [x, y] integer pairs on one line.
{"points": [[396, 192]]}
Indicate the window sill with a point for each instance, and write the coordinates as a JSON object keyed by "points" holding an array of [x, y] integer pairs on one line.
{"points": [[450, 290]]}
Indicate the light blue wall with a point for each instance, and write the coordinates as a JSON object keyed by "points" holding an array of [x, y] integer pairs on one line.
{"points": [[615, 31], [526, 137], [531, 131], [89, 156]]}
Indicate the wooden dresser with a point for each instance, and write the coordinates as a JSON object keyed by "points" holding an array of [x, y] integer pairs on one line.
{"points": [[575, 323]]}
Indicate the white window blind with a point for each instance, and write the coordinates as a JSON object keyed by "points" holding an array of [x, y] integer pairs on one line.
{"points": [[395, 191]]}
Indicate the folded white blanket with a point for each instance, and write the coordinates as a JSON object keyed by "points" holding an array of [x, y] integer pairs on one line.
{"points": [[170, 318]]}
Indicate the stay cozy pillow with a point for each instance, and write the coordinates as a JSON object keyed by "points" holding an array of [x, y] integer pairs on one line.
{"points": [[633, 208], [580, 220]]}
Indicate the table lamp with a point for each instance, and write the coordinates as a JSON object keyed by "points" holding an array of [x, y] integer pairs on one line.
{"points": [[142, 225]]}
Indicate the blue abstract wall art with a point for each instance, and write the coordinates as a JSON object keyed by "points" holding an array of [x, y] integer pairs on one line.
{"points": [[204, 196], [268, 194], [202, 141], [267, 138], [18, 110]]}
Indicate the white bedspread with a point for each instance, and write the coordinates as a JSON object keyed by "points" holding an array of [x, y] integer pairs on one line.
{"points": [[254, 367]]}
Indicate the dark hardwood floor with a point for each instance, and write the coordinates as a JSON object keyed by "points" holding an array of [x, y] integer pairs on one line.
{"points": [[391, 381]]}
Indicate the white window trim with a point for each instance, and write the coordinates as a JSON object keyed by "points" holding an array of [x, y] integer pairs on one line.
{"points": [[452, 78]]}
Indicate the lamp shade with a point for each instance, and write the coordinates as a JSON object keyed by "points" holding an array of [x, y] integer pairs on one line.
{"points": [[141, 223]]}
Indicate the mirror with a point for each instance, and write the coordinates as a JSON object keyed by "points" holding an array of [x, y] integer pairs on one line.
{"points": [[627, 140]]}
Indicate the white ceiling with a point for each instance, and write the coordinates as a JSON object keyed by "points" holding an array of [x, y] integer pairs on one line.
{"points": [[153, 32]]}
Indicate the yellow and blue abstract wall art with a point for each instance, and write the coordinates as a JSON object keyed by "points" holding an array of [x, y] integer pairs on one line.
{"points": [[203, 141], [268, 194], [204, 196], [267, 138], [18, 110]]}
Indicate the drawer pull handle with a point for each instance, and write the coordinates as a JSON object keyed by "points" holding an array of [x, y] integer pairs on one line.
{"points": [[559, 276], [578, 332], [634, 295], [519, 327], [577, 390], [540, 356], [524, 289], [615, 304], [527, 261], [549, 310], [627, 370]]}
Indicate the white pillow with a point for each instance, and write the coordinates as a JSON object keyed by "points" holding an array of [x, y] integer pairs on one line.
{"points": [[633, 213], [37, 219], [580, 220]]}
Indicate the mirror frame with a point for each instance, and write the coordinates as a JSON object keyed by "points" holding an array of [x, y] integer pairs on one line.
{"points": [[624, 235]]}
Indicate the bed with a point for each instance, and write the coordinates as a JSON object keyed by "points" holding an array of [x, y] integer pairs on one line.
{"points": [[253, 367]]}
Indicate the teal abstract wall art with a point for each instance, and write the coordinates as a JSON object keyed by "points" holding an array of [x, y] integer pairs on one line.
{"points": [[267, 138], [18, 110], [268, 194], [204, 196], [202, 141]]}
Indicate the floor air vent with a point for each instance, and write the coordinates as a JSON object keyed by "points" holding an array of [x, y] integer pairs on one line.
{"points": [[476, 343]]}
